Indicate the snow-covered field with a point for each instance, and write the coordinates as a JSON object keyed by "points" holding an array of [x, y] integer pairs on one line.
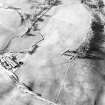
{"points": [[67, 28]]}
